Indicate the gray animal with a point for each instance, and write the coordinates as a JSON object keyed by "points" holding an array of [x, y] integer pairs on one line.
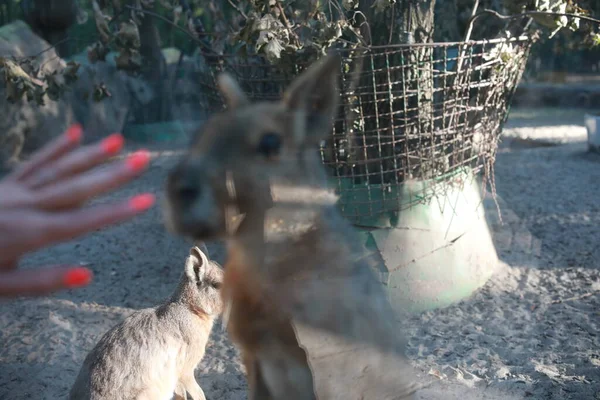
{"points": [[153, 353]]}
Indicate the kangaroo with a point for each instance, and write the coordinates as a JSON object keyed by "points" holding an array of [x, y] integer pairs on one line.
{"points": [[153, 353], [305, 308]]}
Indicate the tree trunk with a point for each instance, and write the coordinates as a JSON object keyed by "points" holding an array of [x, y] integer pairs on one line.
{"points": [[417, 17], [447, 23], [154, 70]]}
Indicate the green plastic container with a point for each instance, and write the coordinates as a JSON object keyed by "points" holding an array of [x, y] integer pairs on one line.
{"points": [[437, 252]]}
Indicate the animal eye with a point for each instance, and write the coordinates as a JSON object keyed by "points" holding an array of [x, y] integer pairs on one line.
{"points": [[216, 285], [269, 144]]}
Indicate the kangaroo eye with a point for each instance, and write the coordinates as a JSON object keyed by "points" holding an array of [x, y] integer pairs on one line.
{"points": [[269, 144], [216, 285]]}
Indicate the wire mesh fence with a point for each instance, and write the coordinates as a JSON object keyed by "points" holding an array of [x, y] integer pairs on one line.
{"points": [[427, 113]]}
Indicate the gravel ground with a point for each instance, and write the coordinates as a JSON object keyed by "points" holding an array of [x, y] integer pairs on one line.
{"points": [[531, 332]]}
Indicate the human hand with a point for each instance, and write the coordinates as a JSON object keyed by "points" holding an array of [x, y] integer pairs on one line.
{"points": [[41, 204]]}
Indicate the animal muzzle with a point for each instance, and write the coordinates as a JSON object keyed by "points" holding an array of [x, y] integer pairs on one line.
{"points": [[193, 208]]}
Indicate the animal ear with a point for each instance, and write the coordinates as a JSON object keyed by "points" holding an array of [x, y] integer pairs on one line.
{"points": [[200, 245], [231, 91], [196, 264], [313, 99]]}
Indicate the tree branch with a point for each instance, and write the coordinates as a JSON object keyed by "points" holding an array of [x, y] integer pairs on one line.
{"points": [[286, 22], [155, 15], [529, 14], [242, 13]]}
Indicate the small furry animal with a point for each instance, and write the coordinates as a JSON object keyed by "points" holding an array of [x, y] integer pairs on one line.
{"points": [[153, 353]]}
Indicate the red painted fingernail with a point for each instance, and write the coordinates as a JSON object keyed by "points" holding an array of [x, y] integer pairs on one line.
{"points": [[77, 277], [74, 133], [142, 202], [138, 160], [112, 144]]}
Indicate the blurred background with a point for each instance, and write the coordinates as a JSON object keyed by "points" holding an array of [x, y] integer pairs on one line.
{"points": [[465, 153]]}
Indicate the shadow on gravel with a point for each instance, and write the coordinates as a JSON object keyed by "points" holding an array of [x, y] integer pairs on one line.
{"points": [[551, 207]]}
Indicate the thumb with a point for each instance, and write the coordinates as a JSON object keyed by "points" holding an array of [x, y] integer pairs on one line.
{"points": [[38, 282]]}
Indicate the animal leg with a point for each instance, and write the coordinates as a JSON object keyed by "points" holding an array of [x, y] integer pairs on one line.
{"points": [[191, 386], [287, 377], [257, 389], [180, 393], [285, 367]]}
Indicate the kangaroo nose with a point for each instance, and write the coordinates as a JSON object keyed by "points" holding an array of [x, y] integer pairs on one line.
{"points": [[184, 185], [187, 191]]}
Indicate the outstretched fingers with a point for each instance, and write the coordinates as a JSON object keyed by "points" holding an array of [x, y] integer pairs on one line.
{"points": [[50, 152], [31, 231], [80, 188], [68, 224], [77, 162], [37, 282]]}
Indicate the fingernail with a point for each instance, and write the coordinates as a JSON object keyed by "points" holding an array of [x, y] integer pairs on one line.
{"points": [[74, 133], [142, 202], [112, 144], [77, 277], [138, 160]]}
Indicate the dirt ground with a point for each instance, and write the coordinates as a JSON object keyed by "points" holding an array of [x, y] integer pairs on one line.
{"points": [[530, 333]]}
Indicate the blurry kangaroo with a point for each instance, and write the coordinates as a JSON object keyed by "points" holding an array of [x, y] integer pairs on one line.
{"points": [[153, 353], [306, 310]]}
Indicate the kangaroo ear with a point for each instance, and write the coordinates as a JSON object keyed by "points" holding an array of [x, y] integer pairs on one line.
{"points": [[313, 99], [196, 264], [231, 91]]}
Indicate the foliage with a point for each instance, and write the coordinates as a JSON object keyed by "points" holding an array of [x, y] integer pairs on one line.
{"points": [[561, 14], [125, 38], [280, 30], [23, 78], [553, 22], [273, 27], [276, 29]]}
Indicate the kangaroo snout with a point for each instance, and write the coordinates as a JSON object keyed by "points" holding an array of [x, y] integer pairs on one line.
{"points": [[185, 190], [192, 207]]}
